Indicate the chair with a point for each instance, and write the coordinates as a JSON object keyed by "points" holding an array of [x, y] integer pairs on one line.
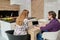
{"points": [[58, 37], [50, 35], [17, 37]]}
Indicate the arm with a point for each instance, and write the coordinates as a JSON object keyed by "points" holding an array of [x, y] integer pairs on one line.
{"points": [[47, 27], [26, 23]]}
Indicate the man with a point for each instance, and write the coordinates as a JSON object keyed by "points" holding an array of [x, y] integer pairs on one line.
{"points": [[52, 26]]}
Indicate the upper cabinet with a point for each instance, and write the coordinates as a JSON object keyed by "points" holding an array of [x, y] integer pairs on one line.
{"points": [[4, 2], [5, 5], [37, 7], [9, 7]]}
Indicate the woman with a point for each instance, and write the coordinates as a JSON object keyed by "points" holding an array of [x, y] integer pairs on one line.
{"points": [[22, 23]]}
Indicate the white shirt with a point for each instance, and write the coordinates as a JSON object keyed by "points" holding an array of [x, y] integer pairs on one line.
{"points": [[21, 30]]}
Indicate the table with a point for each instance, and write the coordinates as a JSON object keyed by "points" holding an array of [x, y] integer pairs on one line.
{"points": [[33, 32]]}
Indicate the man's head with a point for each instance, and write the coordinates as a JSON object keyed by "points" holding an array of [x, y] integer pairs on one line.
{"points": [[51, 15]]}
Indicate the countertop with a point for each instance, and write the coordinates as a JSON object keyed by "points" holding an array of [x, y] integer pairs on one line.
{"points": [[8, 19]]}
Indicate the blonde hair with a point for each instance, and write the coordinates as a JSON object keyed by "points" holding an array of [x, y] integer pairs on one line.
{"points": [[20, 18]]}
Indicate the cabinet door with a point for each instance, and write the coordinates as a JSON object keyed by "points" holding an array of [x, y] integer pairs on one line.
{"points": [[59, 14], [37, 8]]}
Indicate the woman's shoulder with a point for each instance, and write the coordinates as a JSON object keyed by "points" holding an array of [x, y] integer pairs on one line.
{"points": [[25, 20]]}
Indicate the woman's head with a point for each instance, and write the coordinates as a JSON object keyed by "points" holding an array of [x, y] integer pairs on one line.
{"points": [[51, 14], [21, 17], [25, 13]]}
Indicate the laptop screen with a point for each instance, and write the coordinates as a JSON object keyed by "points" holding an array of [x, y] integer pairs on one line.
{"points": [[35, 22]]}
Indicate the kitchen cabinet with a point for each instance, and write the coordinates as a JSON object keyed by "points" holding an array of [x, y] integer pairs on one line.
{"points": [[37, 8]]}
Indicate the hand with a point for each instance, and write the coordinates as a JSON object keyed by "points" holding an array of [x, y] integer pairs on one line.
{"points": [[37, 27], [42, 25]]}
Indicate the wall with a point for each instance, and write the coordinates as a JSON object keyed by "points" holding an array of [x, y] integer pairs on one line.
{"points": [[51, 6]]}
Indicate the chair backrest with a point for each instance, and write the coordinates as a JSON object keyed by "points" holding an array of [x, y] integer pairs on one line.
{"points": [[17, 37], [58, 37], [51, 35]]}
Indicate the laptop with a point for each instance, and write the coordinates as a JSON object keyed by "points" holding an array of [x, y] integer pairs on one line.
{"points": [[35, 23]]}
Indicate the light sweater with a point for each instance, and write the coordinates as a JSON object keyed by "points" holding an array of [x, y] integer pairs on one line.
{"points": [[21, 30]]}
